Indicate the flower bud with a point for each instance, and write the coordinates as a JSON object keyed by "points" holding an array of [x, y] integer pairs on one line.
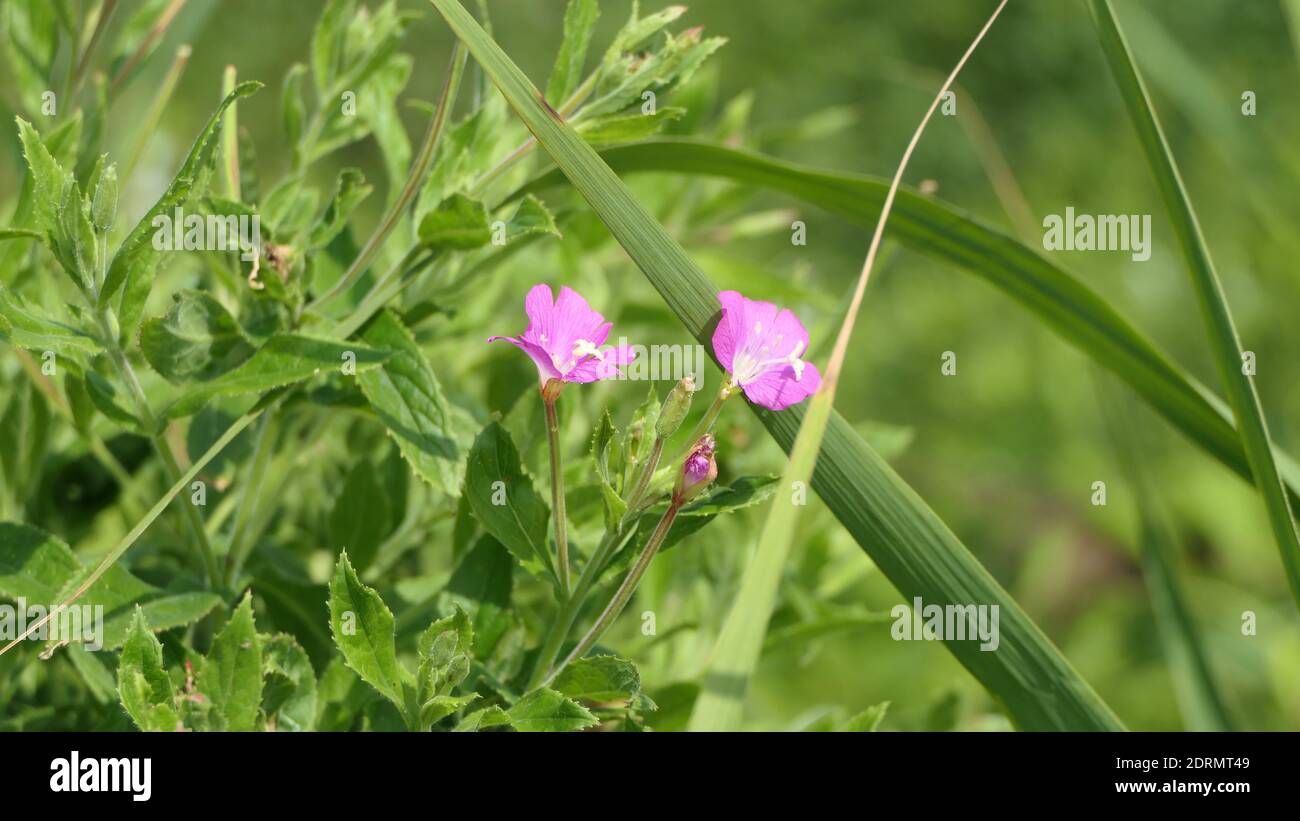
{"points": [[698, 471], [103, 210], [675, 408]]}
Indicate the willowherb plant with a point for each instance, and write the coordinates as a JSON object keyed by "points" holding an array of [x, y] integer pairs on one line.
{"points": [[253, 422]]}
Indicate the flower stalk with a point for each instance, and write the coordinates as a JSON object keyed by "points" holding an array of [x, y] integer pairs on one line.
{"points": [[549, 395]]}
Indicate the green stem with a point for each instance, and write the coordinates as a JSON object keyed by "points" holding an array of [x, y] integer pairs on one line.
{"points": [[413, 180], [646, 474], [557, 494], [163, 449], [706, 422], [622, 595]]}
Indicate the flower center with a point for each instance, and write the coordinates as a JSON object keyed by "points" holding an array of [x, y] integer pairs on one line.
{"points": [[747, 366], [582, 348]]}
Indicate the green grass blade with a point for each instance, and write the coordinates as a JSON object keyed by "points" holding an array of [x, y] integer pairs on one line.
{"points": [[1221, 332], [1066, 305], [721, 703], [909, 543], [1202, 707]]}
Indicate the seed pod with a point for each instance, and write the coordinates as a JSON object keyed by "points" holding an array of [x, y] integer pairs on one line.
{"points": [[103, 210], [676, 406]]}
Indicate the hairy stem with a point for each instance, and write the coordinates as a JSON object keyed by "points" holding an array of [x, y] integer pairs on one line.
{"points": [[557, 494], [622, 595]]}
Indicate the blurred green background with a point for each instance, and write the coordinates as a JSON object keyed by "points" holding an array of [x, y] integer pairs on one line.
{"points": [[1006, 451]]}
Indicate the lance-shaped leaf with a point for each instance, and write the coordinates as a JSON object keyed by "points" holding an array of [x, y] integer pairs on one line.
{"points": [[405, 394], [282, 360], [133, 265], [231, 675], [546, 711], [142, 683], [579, 23], [907, 540], [363, 630], [503, 499]]}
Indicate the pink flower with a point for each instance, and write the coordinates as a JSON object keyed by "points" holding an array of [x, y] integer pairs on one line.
{"points": [[699, 470], [759, 346], [564, 336]]}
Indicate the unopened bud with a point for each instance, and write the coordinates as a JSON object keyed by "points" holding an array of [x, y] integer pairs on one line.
{"points": [[675, 408], [698, 471]]}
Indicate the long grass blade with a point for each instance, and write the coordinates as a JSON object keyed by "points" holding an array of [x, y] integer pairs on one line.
{"points": [[720, 705], [1220, 329], [1065, 304], [1200, 703], [908, 542]]}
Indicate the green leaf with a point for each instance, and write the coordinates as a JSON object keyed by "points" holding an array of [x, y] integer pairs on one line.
{"points": [[231, 675], [363, 631], [197, 340], [282, 360], [546, 711], [503, 500], [1067, 306], [103, 395], [625, 128], [142, 683], [483, 719], [133, 265], [867, 721], [599, 679], [458, 223], [289, 699], [352, 188], [529, 219], [579, 23], [361, 517], [46, 177], [30, 46], [293, 111], [25, 326], [34, 565], [1219, 326], [328, 42], [406, 396], [483, 582], [907, 540]]}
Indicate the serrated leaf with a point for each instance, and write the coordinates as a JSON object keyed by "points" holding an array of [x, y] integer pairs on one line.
{"points": [[363, 631], [579, 23], [46, 177], [197, 339], [231, 675], [439, 707], [406, 396], [503, 499], [599, 679], [546, 711], [459, 223], [142, 683], [25, 326], [282, 360]]}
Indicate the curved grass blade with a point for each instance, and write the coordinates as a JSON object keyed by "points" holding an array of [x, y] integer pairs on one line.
{"points": [[740, 643], [1069, 307], [909, 543], [1220, 329]]}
